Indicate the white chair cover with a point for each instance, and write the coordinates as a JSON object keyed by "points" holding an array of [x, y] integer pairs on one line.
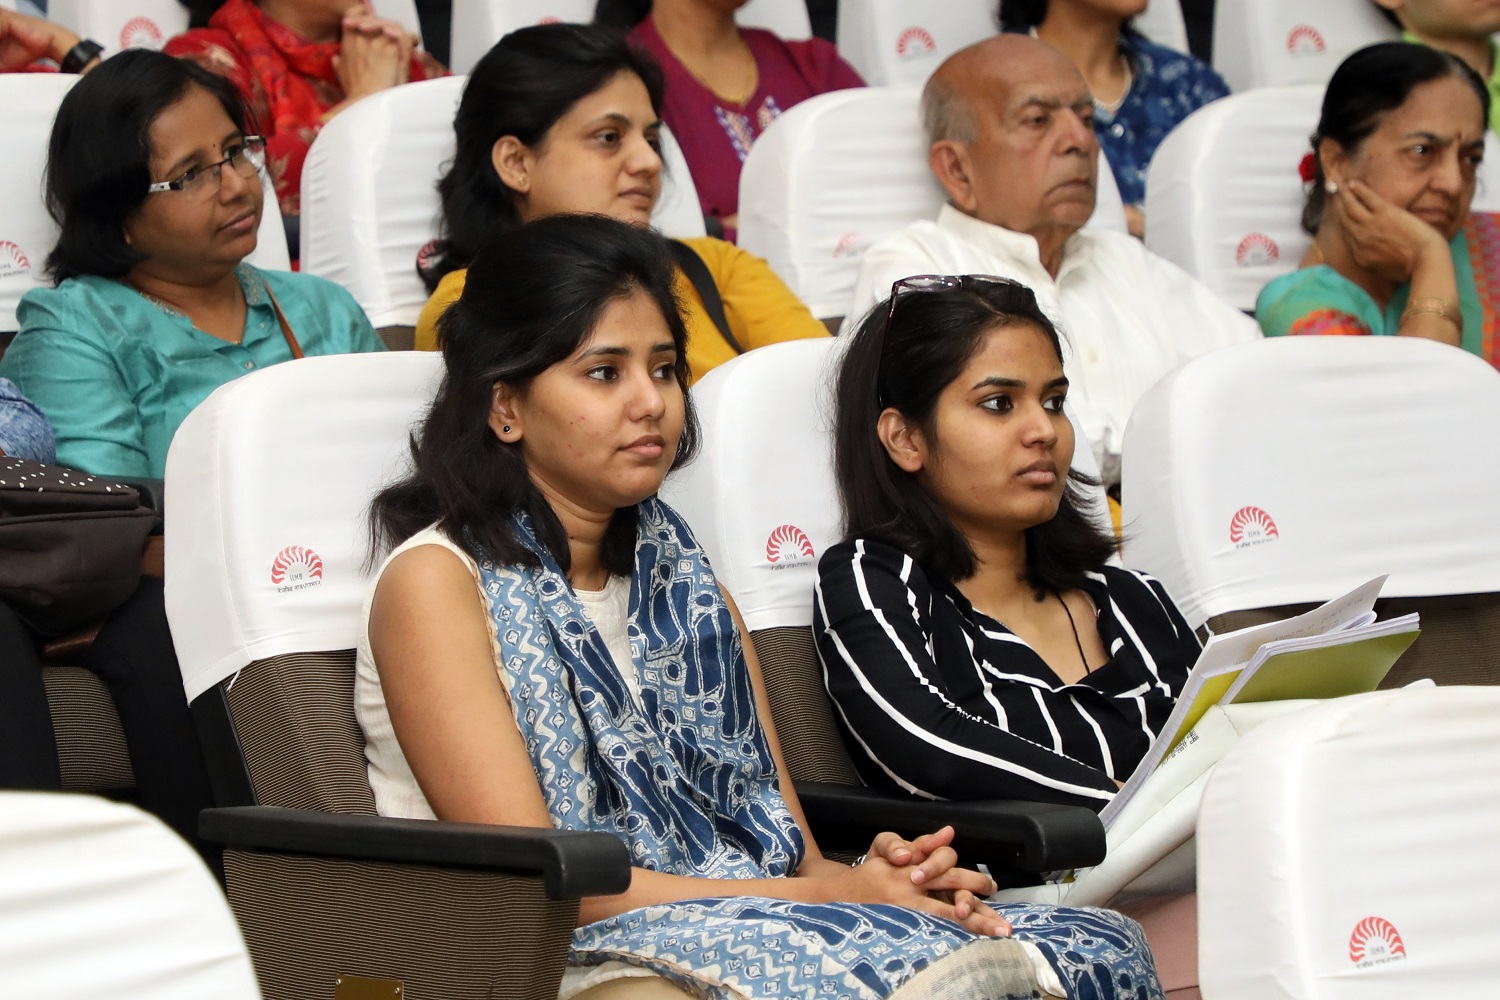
{"points": [[897, 42], [1162, 22], [1346, 852], [1288, 470], [787, 18], [839, 172], [1223, 193], [369, 195], [99, 899], [761, 497], [403, 12], [28, 106], [121, 24], [270, 480], [1276, 43]]}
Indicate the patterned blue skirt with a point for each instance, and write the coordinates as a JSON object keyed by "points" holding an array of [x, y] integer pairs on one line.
{"points": [[771, 948]]}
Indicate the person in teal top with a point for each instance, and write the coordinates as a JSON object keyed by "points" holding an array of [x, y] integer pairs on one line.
{"points": [[155, 306], [1395, 249], [1464, 29]]}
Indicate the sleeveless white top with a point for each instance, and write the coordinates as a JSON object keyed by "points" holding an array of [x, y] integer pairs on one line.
{"points": [[396, 790]]}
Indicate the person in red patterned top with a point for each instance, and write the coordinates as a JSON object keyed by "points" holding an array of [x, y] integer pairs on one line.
{"points": [[298, 64]]}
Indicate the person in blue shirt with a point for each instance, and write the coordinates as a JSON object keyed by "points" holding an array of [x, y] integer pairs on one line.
{"points": [[1141, 90], [154, 177], [24, 431]]}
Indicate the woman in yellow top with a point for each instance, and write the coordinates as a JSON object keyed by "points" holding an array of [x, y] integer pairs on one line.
{"points": [[564, 118]]}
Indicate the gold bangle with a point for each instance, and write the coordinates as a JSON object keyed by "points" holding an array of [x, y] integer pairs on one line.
{"points": [[1436, 307]]}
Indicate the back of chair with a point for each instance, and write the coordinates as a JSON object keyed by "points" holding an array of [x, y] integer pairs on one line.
{"points": [[121, 24], [270, 481], [370, 202], [839, 172], [1277, 43], [762, 501], [1287, 471], [28, 104], [1223, 193], [403, 12], [100, 899], [787, 18], [897, 42], [1162, 22], [1345, 852]]}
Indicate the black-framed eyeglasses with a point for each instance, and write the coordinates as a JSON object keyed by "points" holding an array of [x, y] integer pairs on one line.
{"points": [[247, 157]]}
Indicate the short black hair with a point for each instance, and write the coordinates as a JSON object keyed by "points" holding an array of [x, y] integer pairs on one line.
{"points": [[531, 298], [1366, 87], [621, 14], [932, 335], [521, 87], [99, 156]]}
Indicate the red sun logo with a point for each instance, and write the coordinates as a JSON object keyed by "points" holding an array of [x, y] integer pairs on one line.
{"points": [[851, 244], [1255, 250], [296, 565], [1375, 941], [789, 545], [13, 261], [914, 42], [140, 33], [1304, 40], [1251, 526]]}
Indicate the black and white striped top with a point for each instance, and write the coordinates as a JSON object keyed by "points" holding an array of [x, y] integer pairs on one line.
{"points": [[944, 701]]}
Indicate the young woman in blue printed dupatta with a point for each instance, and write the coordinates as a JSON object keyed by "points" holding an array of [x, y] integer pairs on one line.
{"points": [[547, 646]]}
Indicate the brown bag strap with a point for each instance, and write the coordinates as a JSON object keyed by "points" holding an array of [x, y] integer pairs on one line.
{"points": [[286, 328]]}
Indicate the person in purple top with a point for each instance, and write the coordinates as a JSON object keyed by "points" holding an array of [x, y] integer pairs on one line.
{"points": [[1141, 90], [725, 85]]}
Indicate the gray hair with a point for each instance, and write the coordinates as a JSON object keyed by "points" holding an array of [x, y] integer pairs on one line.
{"points": [[946, 116]]}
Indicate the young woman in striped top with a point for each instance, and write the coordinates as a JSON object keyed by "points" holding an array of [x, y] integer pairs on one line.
{"points": [[973, 640]]}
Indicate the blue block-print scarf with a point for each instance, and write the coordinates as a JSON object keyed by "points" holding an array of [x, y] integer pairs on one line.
{"points": [[686, 778]]}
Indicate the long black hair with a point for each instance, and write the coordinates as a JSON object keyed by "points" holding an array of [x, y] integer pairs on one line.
{"points": [[621, 14], [521, 87], [1366, 87], [932, 335], [533, 296], [99, 155], [1023, 15]]}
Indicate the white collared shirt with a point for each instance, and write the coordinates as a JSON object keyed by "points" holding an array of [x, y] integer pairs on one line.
{"points": [[1127, 316]]}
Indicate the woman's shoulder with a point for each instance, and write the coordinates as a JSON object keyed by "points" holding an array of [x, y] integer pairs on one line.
{"points": [[816, 60], [294, 286], [859, 555], [1315, 300], [1166, 66], [76, 305], [428, 556]]}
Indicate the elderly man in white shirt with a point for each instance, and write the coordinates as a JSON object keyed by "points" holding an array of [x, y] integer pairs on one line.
{"points": [[1010, 122]]}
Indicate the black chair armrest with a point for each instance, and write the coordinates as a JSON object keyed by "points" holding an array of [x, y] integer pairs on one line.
{"points": [[1002, 834], [572, 864]]}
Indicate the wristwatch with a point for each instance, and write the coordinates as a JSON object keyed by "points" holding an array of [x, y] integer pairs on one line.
{"points": [[80, 55]]}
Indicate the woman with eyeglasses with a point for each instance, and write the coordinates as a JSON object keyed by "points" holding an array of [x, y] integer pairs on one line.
{"points": [[974, 638], [154, 176]]}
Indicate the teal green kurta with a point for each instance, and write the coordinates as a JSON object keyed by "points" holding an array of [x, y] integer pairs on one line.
{"points": [[116, 373]]}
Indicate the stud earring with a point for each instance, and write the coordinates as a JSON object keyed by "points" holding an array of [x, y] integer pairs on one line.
{"points": [[505, 429], [1331, 187]]}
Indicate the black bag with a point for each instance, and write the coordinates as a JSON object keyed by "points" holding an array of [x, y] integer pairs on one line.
{"points": [[70, 544]]}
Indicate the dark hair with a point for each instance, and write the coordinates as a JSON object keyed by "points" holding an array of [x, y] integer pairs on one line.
{"points": [[1366, 87], [199, 11], [621, 14], [99, 156], [532, 297], [521, 87], [932, 336], [1389, 14], [1023, 15]]}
